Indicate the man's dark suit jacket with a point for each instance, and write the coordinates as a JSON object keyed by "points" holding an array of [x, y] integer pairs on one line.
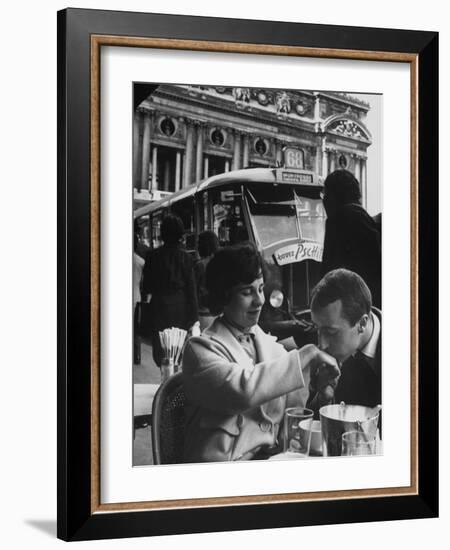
{"points": [[353, 241], [360, 380]]}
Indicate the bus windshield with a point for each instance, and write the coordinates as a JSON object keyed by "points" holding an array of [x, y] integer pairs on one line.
{"points": [[280, 213]]}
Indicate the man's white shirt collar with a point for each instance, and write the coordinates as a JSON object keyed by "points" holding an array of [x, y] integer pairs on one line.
{"points": [[370, 349]]}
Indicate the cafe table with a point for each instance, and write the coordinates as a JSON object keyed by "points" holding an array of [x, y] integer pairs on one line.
{"points": [[290, 455]]}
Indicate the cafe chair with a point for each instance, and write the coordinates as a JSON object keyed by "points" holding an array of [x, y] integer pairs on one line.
{"points": [[168, 421]]}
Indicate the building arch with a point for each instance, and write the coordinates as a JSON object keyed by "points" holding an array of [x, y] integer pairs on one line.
{"points": [[348, 126]]}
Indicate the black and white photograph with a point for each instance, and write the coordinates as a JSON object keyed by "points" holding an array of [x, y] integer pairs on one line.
{"points": [[218, 216], [257, 287]]}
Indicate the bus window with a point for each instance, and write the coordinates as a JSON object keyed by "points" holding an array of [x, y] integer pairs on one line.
{"points": [[273, 214], [311, 217], [203, 211], [156, 229], [228, 219], [280, 214]]}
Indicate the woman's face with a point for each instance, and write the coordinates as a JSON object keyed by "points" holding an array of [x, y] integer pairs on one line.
{"points": [[244, 307]]}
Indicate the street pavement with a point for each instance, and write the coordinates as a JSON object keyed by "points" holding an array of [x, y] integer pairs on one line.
{"points": [[145, 373]]}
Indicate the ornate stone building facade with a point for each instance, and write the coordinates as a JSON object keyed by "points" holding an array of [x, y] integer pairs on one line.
{"points": [[183, 134]]}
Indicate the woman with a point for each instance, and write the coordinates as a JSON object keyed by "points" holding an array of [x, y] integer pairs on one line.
{"points": [[238, 380], [168, 276]]}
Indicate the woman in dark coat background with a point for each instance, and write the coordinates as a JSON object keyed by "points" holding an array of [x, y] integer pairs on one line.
{"points": [[168, 276]]}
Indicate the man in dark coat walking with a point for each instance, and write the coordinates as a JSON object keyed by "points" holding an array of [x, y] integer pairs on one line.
{"points": [[352, 237], [168, 276]]}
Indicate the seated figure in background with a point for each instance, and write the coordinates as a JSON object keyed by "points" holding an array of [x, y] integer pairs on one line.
{"points": [[208, 245], [238, 380]]}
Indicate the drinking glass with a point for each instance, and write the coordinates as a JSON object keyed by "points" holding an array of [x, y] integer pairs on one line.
{"points": [[297, 430], [358, 443]]}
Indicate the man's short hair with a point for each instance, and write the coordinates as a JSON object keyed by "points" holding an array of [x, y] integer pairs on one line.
{"points": [[231, 266], [342, 187], [347, 286], [172, 229]]}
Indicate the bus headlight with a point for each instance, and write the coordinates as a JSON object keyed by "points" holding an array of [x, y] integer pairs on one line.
{"points": [[276, 298]]}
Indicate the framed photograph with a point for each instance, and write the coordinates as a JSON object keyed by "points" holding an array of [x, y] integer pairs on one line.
{"points": [[226, 188]]}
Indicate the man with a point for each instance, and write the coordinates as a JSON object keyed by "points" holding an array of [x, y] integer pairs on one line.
{"points": [[349, 329], [352, 237]]}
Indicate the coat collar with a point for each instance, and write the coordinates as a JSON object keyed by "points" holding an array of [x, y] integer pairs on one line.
{"points": [[223, 334]]}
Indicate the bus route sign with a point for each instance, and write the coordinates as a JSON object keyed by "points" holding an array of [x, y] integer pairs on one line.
{"points": [[298, 252], [296, 177]]}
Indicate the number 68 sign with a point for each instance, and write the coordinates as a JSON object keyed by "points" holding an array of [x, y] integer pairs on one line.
{"points": [[293, 158]]}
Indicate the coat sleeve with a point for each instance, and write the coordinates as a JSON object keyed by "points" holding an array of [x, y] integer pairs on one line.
{"points": [[215, 382]]}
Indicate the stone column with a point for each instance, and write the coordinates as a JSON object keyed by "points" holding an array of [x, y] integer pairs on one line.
{"points": [[245, 159], [137, 149], [358, 171], [332, 161], [206, 168], [178, 171], [154, 183], [324, 159], [227, 165], [199, 153], [188, 165], [317, 108], [363, 181], [237, 151], [317, 161], [279, 152], [146, 150]]}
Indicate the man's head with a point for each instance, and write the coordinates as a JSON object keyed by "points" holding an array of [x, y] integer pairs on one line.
{"points": [[340, 308], [340, 187], [172, 229]]}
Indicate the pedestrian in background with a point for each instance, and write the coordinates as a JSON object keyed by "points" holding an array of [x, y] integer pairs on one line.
{"points": [[138, 266], [168, 280], [352, 237], [208, 245]]}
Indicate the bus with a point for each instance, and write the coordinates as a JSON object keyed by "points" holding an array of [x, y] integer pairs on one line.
{"points": [[278, 209]]}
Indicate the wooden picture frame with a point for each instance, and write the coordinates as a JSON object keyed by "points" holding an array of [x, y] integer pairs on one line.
{"points": [[81, 35]]}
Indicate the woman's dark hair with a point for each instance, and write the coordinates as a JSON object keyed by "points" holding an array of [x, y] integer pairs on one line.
{"points": [[342, 187], [208, 244], [347, 286], [172, 229], [231, 266]]}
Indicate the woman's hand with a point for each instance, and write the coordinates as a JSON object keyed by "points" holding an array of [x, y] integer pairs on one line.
{"points": [[324, 371]]}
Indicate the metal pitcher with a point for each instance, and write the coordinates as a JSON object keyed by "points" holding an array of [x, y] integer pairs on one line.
{"points": [[338, 419]]}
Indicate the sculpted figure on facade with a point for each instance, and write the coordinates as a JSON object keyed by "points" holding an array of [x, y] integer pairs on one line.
{"points": [[349, 128], [283, 103], [241, 94]]}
